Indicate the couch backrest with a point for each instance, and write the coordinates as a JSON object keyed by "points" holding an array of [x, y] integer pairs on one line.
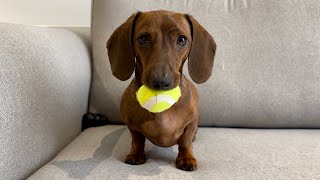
{"points": [[267, 66]]}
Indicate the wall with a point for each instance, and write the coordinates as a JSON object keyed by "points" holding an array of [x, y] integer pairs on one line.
{"points": [[46, 12]]}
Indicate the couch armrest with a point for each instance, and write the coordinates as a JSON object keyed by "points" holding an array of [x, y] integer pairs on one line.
{"points": [[45, 76]]}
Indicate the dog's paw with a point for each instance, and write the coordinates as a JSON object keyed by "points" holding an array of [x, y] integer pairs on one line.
{"points": [[186, 164], [135, 159]]}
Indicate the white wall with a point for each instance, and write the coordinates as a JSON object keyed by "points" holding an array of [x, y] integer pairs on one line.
{"points": [[46, 12]]}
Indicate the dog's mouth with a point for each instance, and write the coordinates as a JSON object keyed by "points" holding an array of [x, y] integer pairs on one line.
{"points": [[163, 85], [161, 80], [158, 87]]}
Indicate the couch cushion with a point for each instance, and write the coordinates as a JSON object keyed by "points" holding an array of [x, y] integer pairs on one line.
{"points": [[98, 153], [266, 71]]}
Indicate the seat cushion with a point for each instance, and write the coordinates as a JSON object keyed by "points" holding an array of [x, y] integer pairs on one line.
{"points": [[98, 153], [266, 71]]}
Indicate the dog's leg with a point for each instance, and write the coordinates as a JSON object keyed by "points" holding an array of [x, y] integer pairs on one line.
{"points": [[136, 155], [195, 133], [194, 137], [185, 159]]}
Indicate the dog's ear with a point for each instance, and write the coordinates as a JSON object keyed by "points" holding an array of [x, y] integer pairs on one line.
{"points": [[120, 49], [201, 56]]}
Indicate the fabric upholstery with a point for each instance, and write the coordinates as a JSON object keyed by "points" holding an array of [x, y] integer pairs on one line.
{"points": [[45, 78], [267, 66], [98, 153]]}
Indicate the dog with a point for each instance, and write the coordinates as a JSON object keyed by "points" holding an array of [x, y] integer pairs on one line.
{"points": [[155, 45]]}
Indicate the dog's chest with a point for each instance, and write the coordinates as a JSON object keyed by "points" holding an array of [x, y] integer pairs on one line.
{"points": [[162, 130], [160, 125]]}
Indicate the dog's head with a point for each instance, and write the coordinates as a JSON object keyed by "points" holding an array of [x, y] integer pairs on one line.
{"points": [[157, 44]]}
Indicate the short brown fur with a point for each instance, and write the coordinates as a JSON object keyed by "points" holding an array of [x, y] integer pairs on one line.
{"points": [[162, 55]]}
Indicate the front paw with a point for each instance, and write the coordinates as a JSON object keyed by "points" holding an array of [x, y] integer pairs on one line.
{"points": [[186, 164], [135, 159]]}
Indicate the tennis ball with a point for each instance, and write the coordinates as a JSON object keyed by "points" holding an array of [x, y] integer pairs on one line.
{"points": [[157, 101]]}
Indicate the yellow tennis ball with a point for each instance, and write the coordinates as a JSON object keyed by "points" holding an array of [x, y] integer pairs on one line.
{"points": [[157, 101]]}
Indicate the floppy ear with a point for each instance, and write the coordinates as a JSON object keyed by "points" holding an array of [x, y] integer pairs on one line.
{"points": [[120, 49], [201, 56]]}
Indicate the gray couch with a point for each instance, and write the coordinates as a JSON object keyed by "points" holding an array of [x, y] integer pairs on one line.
{"points": [[259, 111]]}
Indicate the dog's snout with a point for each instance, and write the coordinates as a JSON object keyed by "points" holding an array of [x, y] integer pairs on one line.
{"points": [[161, 82]]}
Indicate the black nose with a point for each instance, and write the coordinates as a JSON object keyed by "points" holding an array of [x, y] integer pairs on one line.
{"points": [[159, 82]]}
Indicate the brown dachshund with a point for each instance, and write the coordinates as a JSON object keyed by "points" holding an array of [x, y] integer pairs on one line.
{"points": [[156, 44]]}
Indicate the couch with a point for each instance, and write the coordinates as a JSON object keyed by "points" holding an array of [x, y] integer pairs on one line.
{"points": [[259, 112]]}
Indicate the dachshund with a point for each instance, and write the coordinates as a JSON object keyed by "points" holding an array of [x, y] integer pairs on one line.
{"points": [[155, 45]]}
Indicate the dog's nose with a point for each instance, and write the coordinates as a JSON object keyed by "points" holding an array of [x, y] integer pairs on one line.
{"points": [[159, 82]]}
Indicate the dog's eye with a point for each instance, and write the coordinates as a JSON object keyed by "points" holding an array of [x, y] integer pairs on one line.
{"points": [[182, 40], [143, 40]]}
